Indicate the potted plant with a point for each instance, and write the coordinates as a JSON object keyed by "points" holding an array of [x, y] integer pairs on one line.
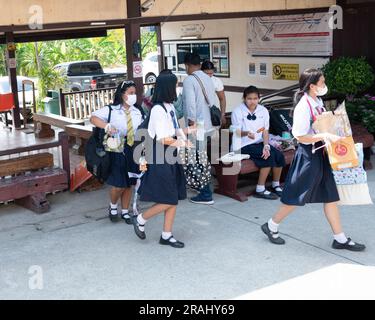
{"points": [[348, 77]]}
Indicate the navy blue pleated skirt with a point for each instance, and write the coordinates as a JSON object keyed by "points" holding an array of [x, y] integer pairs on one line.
{"points": [[310, 178], [121, 165], [255, 151], [163, 183]]}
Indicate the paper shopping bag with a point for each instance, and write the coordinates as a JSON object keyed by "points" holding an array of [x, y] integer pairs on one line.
{"points": [[343, 154]]}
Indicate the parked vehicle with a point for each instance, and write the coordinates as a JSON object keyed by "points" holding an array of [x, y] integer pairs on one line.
{"points": [[150, 67], [88, 75]]}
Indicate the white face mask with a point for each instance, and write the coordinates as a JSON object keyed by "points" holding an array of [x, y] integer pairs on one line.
{"points": [[132, 99], [322, 91]]}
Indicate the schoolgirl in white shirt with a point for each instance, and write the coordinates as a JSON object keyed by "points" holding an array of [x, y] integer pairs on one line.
{"points": [[125, 119], [310, 178], [164, 182], [251, 122]]}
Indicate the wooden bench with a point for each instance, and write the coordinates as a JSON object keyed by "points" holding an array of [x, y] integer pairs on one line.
{"points": [[28, 179], [81, 134], [228, 175], [43, 123]]}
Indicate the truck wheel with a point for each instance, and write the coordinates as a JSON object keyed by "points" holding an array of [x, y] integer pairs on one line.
{"points": [[151, 78]]}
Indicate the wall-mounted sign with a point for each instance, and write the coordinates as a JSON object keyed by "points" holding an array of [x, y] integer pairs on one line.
{"points": [[192, 29], [137, 69], [12, 63], [282, 71], [252, 68], [263, 69], [291, 35]]}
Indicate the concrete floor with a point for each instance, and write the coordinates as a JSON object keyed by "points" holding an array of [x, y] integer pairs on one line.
{"points": [[79, 254]]}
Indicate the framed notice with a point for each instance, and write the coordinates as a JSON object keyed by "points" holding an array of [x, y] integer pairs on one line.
{"points": [[305, 35], [215, 50]]}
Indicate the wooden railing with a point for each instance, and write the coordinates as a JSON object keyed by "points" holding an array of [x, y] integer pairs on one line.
{"points": [[81, 104]]}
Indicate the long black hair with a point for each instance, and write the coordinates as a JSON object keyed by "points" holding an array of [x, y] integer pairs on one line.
{"points": [[121, 89], [165, 88], [308, 77]]}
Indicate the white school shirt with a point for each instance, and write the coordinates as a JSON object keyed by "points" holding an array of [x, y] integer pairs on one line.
{"points": [[240, 122], [218, 84], [161, 123], [302, 120], [119, 119]]}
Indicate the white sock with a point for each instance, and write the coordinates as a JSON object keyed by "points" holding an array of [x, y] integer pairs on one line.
{"points": [[274, 227], [261, 188], [275, 184], [141, 221], [125, 213], [167, 235], [113, 209], [341, 238]]}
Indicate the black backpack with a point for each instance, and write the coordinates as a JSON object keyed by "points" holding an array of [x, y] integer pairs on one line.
{"points": [[97, 159], [280, 121]]}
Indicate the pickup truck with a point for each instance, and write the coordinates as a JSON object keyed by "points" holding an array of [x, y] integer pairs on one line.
{"points": [[88, 75]]}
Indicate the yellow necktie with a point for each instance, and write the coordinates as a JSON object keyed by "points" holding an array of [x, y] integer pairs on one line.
{"points": [[130, 135]]}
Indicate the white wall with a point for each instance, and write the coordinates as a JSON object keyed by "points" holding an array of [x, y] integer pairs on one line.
{"points": [[236, 31]]}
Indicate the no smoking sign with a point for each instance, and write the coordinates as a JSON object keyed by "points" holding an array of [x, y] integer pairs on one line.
{"points": [[137, 69]]}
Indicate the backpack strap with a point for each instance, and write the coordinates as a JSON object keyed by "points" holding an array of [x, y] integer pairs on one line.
{"points": [[109, 114], [203, 89]]}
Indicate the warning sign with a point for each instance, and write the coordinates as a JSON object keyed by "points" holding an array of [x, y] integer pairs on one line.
{"points": [[137, 69], [282, 71]]}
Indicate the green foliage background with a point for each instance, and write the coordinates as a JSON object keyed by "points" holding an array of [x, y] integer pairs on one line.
{"points": [[38, 59]]}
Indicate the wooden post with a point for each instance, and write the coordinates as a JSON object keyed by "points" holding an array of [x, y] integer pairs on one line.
{"points": [[160, 47], [62, 103], [12, 73], [63, 139], [133, 44]]}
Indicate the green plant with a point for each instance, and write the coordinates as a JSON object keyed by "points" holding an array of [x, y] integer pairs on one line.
{"points": [[348, 77], [362, 110], [3, 66]]}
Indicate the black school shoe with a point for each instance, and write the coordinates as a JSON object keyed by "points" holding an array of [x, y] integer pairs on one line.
{"points": [[140, 234], [128, 220], [113, 217], [278, 192], [265, 195], [357, 247], [279, 241], [177, 244]]}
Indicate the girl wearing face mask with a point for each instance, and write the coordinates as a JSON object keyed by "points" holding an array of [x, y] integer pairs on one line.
{"points": [[310, 178], [125, 118]]}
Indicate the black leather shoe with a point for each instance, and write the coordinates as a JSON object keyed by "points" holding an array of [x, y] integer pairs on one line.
{"points": [[273, 237], [357, 247], [278, 192], [113, 217], [127, 218], [141, 234], [177, 244], [266, 195]]}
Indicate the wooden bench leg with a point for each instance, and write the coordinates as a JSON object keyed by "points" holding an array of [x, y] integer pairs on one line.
{"points": [[36, 202], [43, 130], [228, 185]]}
